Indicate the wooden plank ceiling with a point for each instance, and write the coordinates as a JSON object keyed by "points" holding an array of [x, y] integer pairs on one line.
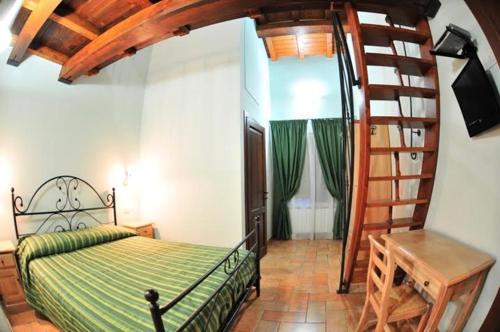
{"points": [[297, 33], [85, 36]]}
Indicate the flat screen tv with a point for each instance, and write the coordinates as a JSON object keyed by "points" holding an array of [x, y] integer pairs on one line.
{"points": [[477, 97]]}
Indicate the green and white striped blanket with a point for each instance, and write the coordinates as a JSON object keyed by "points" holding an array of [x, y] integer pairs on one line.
{"points": [[94, 279]]}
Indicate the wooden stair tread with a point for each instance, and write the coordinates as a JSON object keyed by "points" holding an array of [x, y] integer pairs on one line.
{"points": [[382, 35], [406, 14], [362, 264], [366, 220], [385, 203], [359, 277], [402, 177], [403, 121], [392, 149], [394, 223], [406, 65], [364, 245], [393, 92]]}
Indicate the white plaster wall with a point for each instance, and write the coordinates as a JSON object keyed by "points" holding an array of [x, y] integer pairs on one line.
{"points": [[256, 95], [191, 139], [305, 89], [465, 203], [90, 129]]}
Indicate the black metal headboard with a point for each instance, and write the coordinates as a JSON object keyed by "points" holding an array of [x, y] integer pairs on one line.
{"points": [[68, 206]]}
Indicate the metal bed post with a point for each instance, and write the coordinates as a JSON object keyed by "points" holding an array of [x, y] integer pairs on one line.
{"points": [[14, 211], [152, 296], [114, 206]]}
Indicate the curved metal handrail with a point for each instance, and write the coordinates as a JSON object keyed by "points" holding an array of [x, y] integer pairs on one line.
{"points": [[347, 82]]}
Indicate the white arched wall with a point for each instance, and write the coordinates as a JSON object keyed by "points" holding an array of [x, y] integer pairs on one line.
{"points": [[90, 129], [198, 90], [465, 202]]}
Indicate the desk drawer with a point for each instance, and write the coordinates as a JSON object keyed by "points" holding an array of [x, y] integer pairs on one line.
{"points": [[421, 275]]}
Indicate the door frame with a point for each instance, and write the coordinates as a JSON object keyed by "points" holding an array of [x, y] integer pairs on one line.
{"points": [[246, 121]]}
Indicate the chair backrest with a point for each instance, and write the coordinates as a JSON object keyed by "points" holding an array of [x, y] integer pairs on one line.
{"points": [[381, 270]]}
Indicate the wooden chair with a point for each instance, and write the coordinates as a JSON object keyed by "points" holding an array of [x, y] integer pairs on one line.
{"points": [[391, 304]]}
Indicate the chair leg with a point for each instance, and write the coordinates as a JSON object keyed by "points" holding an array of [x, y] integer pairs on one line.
{"points": [[364, 316], [423, 320], [381, 322]]}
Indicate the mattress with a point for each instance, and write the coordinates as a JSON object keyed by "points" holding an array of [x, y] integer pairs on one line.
{"points": [[95, 279]]}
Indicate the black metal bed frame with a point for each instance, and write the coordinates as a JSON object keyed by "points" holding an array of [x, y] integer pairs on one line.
{"points": [[231, 263], [68, 206]]}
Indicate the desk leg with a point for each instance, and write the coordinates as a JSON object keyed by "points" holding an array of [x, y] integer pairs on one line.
{"points": [[464, 313], [438, 309]]}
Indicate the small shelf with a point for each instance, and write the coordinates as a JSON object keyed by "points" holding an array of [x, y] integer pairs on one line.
{"points": [[396, 223]]}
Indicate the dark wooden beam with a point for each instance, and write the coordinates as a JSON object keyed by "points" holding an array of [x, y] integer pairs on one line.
{"points": [[182, 31], [157, 22], [35, 21]]}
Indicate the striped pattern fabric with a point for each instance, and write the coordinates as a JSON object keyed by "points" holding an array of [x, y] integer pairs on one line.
{"points": [[101, 287], [33, 247]]}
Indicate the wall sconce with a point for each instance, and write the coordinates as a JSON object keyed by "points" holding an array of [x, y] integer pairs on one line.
{"points": [[126, 178]]}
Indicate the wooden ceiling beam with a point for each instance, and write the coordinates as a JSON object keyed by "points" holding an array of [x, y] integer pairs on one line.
{"points": [[257, 15], [34, 23], [152, 23], [76, 24], [49, 54], [71, 21], [45, 53], [294, 28]]}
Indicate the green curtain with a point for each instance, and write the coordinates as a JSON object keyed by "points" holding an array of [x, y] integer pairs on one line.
{"points": [[328, 136], [289, 150]]}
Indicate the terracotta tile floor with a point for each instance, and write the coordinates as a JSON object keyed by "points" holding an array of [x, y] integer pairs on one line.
{"points": [[28, 321], [299, 284], [299, 291]]}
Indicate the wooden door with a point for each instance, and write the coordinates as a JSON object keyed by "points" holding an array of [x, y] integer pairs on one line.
{"points": [[255, 181]]}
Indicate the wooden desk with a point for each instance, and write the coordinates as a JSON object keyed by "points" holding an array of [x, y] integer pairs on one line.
{"points": [[446, 269]]}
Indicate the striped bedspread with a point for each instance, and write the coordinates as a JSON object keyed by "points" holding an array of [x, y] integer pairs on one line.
{"points": [[91, 282]]}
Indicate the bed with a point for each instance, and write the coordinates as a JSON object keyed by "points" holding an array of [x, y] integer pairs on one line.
{"points": [[86, 274]]}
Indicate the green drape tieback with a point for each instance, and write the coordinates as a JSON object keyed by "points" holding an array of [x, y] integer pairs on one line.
{"points": [[289, 150]]}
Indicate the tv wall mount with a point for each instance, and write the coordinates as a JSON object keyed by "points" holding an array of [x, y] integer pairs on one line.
{"points": [[456, 43]]}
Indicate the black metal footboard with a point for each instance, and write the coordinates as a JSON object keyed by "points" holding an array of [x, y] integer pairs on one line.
{"points": [[231, 264]]}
